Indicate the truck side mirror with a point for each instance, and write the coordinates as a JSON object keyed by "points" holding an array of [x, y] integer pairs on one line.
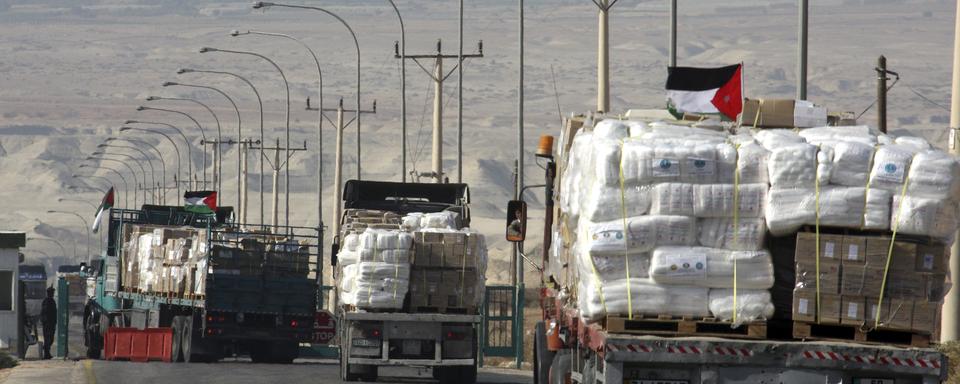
{"points": [[334, 250], [516, 221]]}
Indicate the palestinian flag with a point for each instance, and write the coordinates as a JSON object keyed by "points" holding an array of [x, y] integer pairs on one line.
{"points": [[105, 205], [200, 201], [705, 91]]}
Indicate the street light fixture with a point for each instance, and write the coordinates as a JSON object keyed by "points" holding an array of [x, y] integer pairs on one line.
{"points": [[163, 164], [153, 179], [143, 153], [240, 138], [217, 161], [86, 225], [158, 132], [101, 165], [126, 187], [287, 123]]}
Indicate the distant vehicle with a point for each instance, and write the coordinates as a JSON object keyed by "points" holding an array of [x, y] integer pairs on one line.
{"points": [[248, 310], [33, 280], [77, 285]]}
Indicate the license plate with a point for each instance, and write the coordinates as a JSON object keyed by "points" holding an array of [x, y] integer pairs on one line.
{"points": [[654, 381], [873, 381], [411, 347], [366, 343]]}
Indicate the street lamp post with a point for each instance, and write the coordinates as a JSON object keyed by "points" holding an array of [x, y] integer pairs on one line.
{"points": [[403, 92], [103, 191], [86, 225], [217, 157], [177, 150], [320, 117], [356, 43], [153, 179], [92, 205], [286, 86], [146, 157], [203, 136], [100, 156], [126, 187], [240, 160], [62, 248]]}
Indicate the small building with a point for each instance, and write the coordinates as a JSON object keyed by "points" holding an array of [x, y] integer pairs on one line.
{"points": [[10, 244]]}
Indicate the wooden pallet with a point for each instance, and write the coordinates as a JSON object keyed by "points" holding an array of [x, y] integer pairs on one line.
{"points": [[672, 326], [447, 310], [856, 333], [918, 239]]}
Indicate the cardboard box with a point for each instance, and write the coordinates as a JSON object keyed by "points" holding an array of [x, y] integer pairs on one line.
{"points": [[852, 310], [903, 255], [782, 113], [932, 258], [853, 250], [872, 308], [905, 283], [899, 315], [804, 305], [861, 280], [830, 247], [458, 288], [829, 276], [424, 288], [934, 286], [924, 316], [830, 305]]}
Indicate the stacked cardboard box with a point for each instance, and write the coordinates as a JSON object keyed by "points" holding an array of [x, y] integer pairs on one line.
{"points": [[448, 271], [854, 276]]}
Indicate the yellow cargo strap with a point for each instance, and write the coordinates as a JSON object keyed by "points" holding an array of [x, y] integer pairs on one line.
{"points": [[816, 183], [626, 241], [866, 190], [893, 238], [736, 224]]}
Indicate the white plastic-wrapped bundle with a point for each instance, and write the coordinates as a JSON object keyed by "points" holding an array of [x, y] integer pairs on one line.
{"points": [[374, 285], [851, 163], [777, 138], [752, 304], [917, 143], [828, 135], [792, 166], [934, 174], [672, 199], [379, 240], [636, 160], [643, 234], [604, 203], [611, 129], [574, 172], [711, 267], [348, 253], [445, 219], [790, 208], [699, 166], [646, 297], [747, 235], [637, 128], [660, 130], [890, 166], [606, 162], [922, 216], [411, 222], [717, 200], [613, 267], [749, 159]]}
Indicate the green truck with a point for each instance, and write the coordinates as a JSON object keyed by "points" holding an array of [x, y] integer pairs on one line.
{"points": [[243, 290]]}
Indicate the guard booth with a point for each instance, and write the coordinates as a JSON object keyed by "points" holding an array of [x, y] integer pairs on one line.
{"points": [[10, 320]]}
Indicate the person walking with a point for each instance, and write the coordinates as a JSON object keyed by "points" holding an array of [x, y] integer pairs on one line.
{"points": [[48, 317]]}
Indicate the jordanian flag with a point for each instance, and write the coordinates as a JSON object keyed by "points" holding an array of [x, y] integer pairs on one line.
{"points": [[200, 201], [705, 91], [105, 205]]}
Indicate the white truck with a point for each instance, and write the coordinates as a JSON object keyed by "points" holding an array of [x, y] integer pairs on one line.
{"points": [[446, 342], [568, 348]]}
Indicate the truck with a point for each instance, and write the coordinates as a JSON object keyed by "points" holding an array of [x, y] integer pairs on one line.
{"points": [[77, 285], [569, 348], [259, 308], [33, 288], [445, 342]]}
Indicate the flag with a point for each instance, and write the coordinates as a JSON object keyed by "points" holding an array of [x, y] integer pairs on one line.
{"points": [[105, 205], [705, 90], [200, 201]]}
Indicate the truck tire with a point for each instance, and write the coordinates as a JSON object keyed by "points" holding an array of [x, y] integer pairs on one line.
{"points": [[176, 352], [284, 352], [186, 339], [93, 334], [468, 375], [561, 368], [542, 357]]}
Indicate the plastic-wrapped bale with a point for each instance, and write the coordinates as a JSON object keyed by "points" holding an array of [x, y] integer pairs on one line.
{"points": [[860, 134], [749, 159], [611, 129], [573, 174], [788, 209], [603, 203], [926, 217], [711, 267], [890, 166], [777, 138], [717, 200], [747, 235], [612, 267], [605, 169], [348, 253], [934, 174], [851, 163], [374, 285], [445, 219], [646, 297], [793, 166], [752, 305], [638, 234], [672, 199]]}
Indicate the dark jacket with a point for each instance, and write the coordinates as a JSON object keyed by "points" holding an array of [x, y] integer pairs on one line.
{"points": [[48, 313]]}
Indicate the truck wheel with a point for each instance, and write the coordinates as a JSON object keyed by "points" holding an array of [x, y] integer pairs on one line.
{"points": [[186, 338], [284, 352], [561, 368], [542, 357], [93, 335], [468, 375], [176, 353], [345, 373]]}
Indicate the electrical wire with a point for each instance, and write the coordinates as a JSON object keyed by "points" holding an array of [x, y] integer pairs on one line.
{"points": [[927, 99], [878, 99]]}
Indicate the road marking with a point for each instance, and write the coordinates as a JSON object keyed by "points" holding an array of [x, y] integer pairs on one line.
{"points": [[88, 372]]}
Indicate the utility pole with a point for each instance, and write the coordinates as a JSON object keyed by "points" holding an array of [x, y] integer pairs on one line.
{"points": [[802, 50], [217, 144], [276, 165], [882, 94], [673, 33], [950, 329], [341, 125], [518, 299], [460, 100], [603, 54], [438, 76]]}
